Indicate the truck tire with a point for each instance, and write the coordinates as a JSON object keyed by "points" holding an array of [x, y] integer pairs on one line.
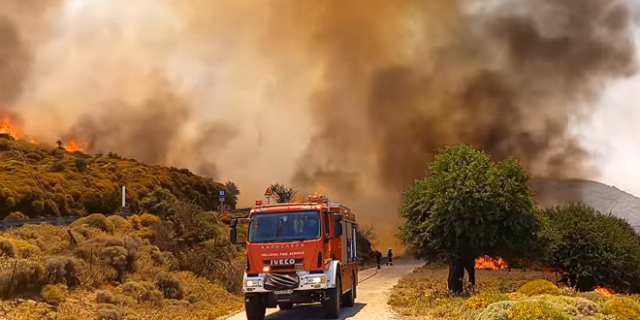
{"points": [[254, 308], [349, 298], [285, 306], [331, 303]]}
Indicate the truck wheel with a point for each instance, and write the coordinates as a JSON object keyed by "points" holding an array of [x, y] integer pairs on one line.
{"points": [[349, 298], [331, 303], [285, 306], [255, 308]]}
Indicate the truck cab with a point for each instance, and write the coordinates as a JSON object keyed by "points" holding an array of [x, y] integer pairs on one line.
{"points": [[299, 253]]}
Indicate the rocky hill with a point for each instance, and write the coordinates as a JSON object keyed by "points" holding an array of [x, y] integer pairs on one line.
{"points": [[604, 198]]}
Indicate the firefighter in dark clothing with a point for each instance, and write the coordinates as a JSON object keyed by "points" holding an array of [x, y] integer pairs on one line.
{"points": [[378, 258], [390, 257]]}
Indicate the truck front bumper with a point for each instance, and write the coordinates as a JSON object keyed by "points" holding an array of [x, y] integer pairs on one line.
{"points": [[272, 299], [305, 282]]}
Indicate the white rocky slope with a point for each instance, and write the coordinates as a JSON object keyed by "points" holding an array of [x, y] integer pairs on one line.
{"points": [[604, 198]]}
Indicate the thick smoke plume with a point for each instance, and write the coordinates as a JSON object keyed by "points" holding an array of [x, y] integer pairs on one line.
{"points": [[349, 97], [508, 79]]}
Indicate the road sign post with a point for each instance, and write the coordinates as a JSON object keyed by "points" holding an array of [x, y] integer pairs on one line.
{"points": [[222, 197]]}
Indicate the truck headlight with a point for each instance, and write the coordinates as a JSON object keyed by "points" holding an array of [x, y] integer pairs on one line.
{"points": [[253, 283], [315, 279]]}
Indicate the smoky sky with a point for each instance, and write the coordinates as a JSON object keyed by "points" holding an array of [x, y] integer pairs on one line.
{"points": [[508, 80], [350, 97], [382, 84]]}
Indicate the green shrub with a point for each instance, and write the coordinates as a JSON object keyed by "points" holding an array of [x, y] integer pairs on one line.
{"points": [[58, 166], [622, 308], [34, 156], [108, 311], [81, 164], [147, 219], [170, 286], [95, 220], [54, 294], [24, 277], [64, 270], [119, 223], [141, 291], [609, 250], [593, 296], [124, 300], [482, 300], [7, 248], [539, 286], [586, 307], [534, 310], [26, 249], [496, 311], [16, 215], [103, 296]]}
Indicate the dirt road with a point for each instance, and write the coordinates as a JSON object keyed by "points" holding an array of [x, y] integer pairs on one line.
{"points": [[371, 303]]}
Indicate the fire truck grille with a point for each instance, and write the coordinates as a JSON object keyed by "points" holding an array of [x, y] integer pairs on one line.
{"points": [[281, 281]]}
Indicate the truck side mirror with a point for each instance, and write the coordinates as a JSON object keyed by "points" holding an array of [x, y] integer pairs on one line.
{"points": [[338, 226], [233, 232]]}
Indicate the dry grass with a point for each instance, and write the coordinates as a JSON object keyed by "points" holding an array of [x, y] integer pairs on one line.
{"points": [[111, 274], [504, 295]]}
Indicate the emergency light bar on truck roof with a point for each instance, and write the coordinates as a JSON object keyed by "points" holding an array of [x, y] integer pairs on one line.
{"points": [[311, 200]]}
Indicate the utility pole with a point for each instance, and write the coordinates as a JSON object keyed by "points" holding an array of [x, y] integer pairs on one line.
{"points": [[124, 201]]}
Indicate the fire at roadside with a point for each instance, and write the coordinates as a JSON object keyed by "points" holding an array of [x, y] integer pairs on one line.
{"points": [[488, 263], [9, 130]]}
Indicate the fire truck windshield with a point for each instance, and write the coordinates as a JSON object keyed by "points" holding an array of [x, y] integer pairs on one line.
{"points": [[284, 226]]}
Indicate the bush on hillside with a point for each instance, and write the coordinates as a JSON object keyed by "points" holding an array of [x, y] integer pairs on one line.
{"points": [[16, 215], [594, 249], [79, 183], [95, 220], [54, 294], [535, 310], [539, 286], [622, 308]]}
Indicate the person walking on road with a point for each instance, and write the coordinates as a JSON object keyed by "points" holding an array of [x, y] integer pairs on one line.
{"points": [[390, 257], [378, 258]]}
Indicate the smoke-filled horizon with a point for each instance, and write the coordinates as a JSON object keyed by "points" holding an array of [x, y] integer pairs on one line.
{"points": [[350, 97]]}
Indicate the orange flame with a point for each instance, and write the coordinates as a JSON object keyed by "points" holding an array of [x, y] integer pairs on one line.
{"points": [[604, 291], [75, 146], [7, 126], [487, 262]]}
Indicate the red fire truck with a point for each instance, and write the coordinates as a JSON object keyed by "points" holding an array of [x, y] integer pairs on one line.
{"points": [[299, 253]]}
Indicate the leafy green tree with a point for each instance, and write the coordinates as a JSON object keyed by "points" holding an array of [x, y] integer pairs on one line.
{"points": [[283, 194], [233, 191], [159, 202], [469, 206], [594, 249]]}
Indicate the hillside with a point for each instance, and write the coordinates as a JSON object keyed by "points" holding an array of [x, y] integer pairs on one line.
{"points": [[602, 197], [39, 180], [104, 266]]}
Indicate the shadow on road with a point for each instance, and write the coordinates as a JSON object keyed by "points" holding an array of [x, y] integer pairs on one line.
{"points": [[313, 312]]}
